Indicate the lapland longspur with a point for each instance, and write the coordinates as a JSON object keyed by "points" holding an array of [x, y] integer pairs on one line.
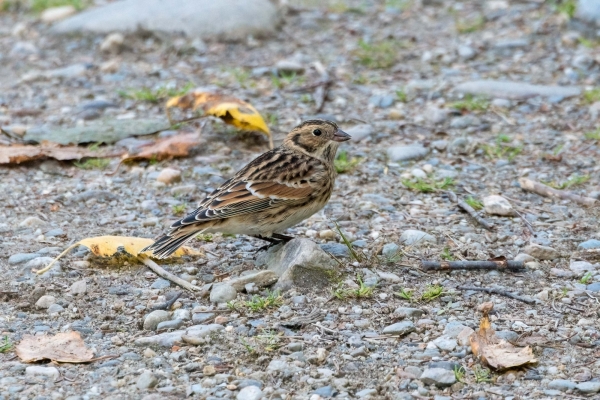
{"points": [[275, 191]]}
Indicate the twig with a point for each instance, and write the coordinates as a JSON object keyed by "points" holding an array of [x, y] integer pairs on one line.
{"points": [[527, 223], [499, 292], [167, 304], [451, 265], [471, 211], [547, 191], [160, 271], [555, 309]]}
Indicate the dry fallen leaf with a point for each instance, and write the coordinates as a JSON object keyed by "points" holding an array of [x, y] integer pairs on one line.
{"points": [[171, 147], [497, 353], [17, 154], [108, 246], [67, 347], [230, 109]]}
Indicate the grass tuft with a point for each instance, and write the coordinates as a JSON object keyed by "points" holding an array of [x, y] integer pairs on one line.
{"points": [[41, 5], [567, 8], [380, 55], [178, 209], [470, 25], [501, 149], [432, 292], [482, 375], [471, 103], [575, 180], [406, 294], [155, 95], [447, 254], [595, 135], [459, 373], [591, 96], [93, 163], [260, 303], [5, 345], [587, 278], [343, 164], [427, 186], [476, 204]]}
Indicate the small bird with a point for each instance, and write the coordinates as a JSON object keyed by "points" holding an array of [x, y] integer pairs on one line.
{"points": [[275, 191]]}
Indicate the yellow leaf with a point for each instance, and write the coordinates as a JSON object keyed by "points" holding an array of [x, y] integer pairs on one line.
{"points": [[230, 109], [108, 246]]}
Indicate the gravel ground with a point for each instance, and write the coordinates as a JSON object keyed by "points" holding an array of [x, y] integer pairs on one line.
{"points": [[382, 327]]}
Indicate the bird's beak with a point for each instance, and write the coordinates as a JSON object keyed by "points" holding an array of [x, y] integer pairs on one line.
{"points": [[341, 136]]}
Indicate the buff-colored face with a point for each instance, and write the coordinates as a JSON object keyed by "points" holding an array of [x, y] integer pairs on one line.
{"points": [[317, 137]]}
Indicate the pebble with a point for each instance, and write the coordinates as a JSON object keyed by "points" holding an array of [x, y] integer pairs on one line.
{"points": [[289, 67], [336, 249], [183, 190], [461, 145], [589, 387], [541, 252], [399, 328], [515, 90], [182, 314], [112, 43], [466, 52], [146, 380], [199, 318], [54, 14], [21, 258], [36, 370], [594, 287], [32, 222], [543, 295], [78, 287], [45, 301], [173, 324], [581, 267], [327, 234], [160, 283], [418, 173], [406, 153], [438, 376], [390, 250], [409, 312], [463, 337], [412, 236], [250, 393], [465, 122], [360, 132], [445, 343], [384, 101], [389, 276], [589, 244], [561, 384], [55, 309], [498, 205], [439, 145], [222, 293], [325, 391], [169, 176], [154, 318]]}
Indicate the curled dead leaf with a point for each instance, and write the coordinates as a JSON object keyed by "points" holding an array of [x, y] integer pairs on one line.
{"points": [[230, 109], [167, 148], [486, 307], [66, 347], [17, 154]]}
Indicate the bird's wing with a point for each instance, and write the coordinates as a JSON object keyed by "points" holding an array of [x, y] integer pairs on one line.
{"points": [[274, 178]]}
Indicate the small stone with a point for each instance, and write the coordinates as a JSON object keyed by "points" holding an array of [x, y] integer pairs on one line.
{"points": [[413, 236], [436, 115], [183, 190], [389, 276], [366, 393], [409, 312], [32, 222], [406, 153], [561, 384], [289, 67], [199, 318], [522, 257], [160, 283], [594, 287], [465, 122], [445, 343], [152, 221], [338, 250], [453, 328], [45, 302], [466, 52], [390, 250], [209, 370], [589, 387], [543, 295], [173, 324], [36, 370], [515, 90], [113, 43], [221, 320], [149, 353], [79, 287], [581, 267], [154, 318], [589, 244], [541, 252], [585, 322], [250, 393], [327, 234], [438, 376], [54, 14], [21, 258], [168, 176], [399, 328], [439, 145], [418, 173], [55, 309], [182, 314], [147, 380], [464, 335], [222, 293], [498, 205], [461, 145], [360, 132]]}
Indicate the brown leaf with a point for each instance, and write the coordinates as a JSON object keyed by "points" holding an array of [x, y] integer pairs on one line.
{"points": [[497, 353], [22, 153], [171, 147], [67, 347]]}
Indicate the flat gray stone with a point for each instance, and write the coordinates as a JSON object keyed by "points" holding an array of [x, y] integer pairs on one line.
{"points": [[515, 90], [146, 380], [399, 328], [589, 244], [21, 258], [413, 236], [360, 132], [406, 153], [222, 293], [561, 384], [589, 387], [250, 393], [588, 10], [154, 318], [541, 252], [206, 19], [438, 376], [169, 338]]}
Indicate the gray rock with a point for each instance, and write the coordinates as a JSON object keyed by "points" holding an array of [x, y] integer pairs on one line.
{"points": [[282, 367], [436, 115], [465, 122], [225, 19], [541, 252], [300, 263], [32, 222], [37, 370], [337, 250], [147, 380], [258, 278], [509, 336], [182, 314], [581, 267], [21, 258], [466, 52], [45, 302], [439, 145], [438, 376], [389, 276], [366, 393], [325, 391], [390, 250], [593, 287], [589, 244], [384, 101], [173, 324], [409, 312], [183, 190], [55, 309], [406, 153], [79, 287], [154, 318], [222, 293], [169, 338], [360, 132], [461, 145], [289, 66], [498, 205], [250, 393], [399, 328], [199, 318], [515, 90], [589, 387], [561, 384], [589, 11], [445, 343], [413, 236], [453, 328]]}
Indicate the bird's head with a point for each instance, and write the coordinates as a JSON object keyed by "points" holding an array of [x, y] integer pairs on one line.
{"points": [[317, 138]]}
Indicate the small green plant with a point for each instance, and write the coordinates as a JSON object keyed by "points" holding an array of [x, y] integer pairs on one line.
{"points": [[567, 8], [154, 95], [595, 135], [269, 339], [470, 25], [591, 96], [285, 79], [482, 375], [575, 180], [587, 278], [41, 5], [247, 346], [205, 237], [5, 345], [379, 55], [242, 76], [363, 290], [260, 303], [471, 103], [232, 305], [401, 96], [93, 163], [406, 294], [341, 293], [178, 209], [476, 204], [343, 164], [502, 149], [446, 254], [585, 42], [432, 292], [459, 373], [427, 186]]}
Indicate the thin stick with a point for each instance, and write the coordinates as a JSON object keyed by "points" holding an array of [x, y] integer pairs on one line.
{"points": [[527, 223], [47, 267], [547, 191], [167, 304], [471, 211], [499, 292], [160, 271], [452, 265]]}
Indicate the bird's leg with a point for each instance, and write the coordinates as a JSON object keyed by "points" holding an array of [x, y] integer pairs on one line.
{"points": [[272, 242], [283, 238]]}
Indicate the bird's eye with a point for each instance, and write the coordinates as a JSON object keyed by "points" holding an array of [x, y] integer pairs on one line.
{"points": [[317, 132]]}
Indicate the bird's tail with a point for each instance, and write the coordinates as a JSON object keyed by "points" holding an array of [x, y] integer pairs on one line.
{"points": [[167, 244]]}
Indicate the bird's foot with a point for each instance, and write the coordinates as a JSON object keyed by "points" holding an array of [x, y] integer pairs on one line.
{"points": [[274, 240]]}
